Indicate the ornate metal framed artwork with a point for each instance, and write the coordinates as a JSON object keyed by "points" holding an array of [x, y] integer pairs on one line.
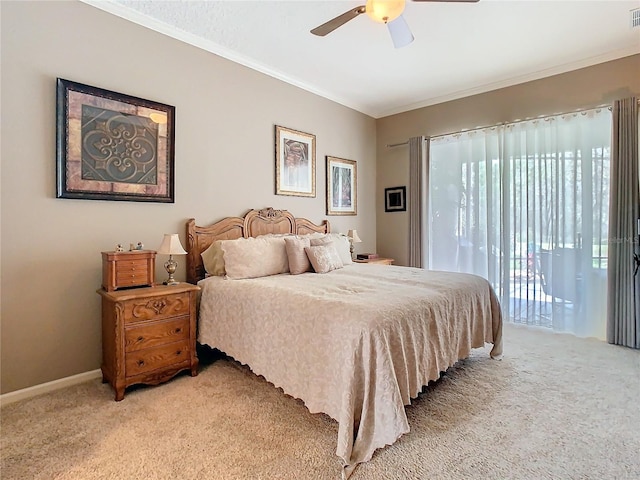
{"points": [[295, 163], [342, 186], [112, 146], [395, 199]]}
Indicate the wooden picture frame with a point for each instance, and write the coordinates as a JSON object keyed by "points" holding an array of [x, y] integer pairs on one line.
{"points": [[295, 162], [112, 146], [395, 199], [342, 186]]}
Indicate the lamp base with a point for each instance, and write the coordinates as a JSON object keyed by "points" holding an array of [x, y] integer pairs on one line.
{"points": [[170, 266]]}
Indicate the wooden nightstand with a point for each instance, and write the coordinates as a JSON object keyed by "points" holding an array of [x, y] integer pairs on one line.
{"points": [[379, 260], [148, 334]]}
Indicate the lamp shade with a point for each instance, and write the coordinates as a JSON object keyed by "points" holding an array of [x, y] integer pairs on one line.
{"points": [[171, 245], [353, 235]]}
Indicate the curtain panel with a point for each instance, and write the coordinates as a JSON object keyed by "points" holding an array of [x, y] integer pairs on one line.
{"points": [[418, 200], [525, 205], [623, 316]]}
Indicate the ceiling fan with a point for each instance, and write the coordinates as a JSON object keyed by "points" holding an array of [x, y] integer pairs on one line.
{"points": [[382, 11]]}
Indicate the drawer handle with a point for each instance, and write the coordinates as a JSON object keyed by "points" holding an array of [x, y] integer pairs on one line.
{"points": [[178, 330], [179, 352], [140, 339], [140, 363]]}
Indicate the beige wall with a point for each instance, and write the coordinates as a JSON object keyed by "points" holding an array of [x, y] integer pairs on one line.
{"points": [[597, 85], [225, 117], [50, 263]]}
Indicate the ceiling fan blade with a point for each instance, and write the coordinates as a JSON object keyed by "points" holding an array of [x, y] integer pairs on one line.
{"points": [[340, 20], [400, 32]]}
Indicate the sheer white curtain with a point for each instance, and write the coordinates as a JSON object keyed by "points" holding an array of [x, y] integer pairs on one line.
{"points": [[525, 205]]}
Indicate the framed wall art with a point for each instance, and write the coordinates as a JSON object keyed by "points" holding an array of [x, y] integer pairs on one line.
{"points": [[112, 146], [295, 163], [395, 199], [342, 186]]}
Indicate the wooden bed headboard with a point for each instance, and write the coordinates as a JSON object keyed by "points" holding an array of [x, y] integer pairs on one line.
{"points": [[254, 223]]}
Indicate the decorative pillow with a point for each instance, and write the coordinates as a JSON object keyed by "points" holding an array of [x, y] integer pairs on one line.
{"points": [[213, 259], [298, 260], [343, 247], [323, 258], [254, 257], [322, 240]]}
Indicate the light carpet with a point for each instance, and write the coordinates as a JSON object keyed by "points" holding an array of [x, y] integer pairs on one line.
{"points": [[556, 407]]}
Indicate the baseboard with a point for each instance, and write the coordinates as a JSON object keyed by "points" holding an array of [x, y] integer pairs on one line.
{"points": [[29, 392]]}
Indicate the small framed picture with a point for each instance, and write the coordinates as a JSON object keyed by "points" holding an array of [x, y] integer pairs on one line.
{"points": [[342, 186], [112, 146], [395, 199], [295, 163]]}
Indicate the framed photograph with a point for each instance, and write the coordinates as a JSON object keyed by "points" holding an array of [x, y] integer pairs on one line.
{"points": [[112, 146], [395, 199], [295, 163], [342, 186]]}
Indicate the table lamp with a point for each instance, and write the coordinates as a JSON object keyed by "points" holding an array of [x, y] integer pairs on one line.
{"points": [[171, 246], [353, 238]]}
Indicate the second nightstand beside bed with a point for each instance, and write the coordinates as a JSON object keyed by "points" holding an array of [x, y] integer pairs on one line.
{"points": [[378, 260]]}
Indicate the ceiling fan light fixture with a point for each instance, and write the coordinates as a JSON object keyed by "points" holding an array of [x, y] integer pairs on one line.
{"points": [[384, 11]]}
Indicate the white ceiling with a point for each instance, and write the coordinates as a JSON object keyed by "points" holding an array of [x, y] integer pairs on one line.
{"points": [[460, 49]]}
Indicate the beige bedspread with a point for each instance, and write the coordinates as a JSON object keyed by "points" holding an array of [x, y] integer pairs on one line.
{"points": [[357, 343]]}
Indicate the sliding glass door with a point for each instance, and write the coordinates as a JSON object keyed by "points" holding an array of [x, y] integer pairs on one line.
{"points": [[525, 206]]}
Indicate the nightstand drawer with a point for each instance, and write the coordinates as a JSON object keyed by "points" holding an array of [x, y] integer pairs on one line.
{"points": [[156, 308], [131, 279], [157, 333], [132, 265], [150, 359]]}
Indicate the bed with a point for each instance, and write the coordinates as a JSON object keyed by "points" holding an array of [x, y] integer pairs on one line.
{"points": [[356, 343]]}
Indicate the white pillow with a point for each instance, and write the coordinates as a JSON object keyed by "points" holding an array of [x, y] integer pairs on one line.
{"points": [[254, 257], [323, 258], [343, 246], [321, 240], [213, 259], [276, 235], [312, 235]]}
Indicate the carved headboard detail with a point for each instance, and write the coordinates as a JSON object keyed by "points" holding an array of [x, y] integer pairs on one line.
{"points": [[254, 223]]}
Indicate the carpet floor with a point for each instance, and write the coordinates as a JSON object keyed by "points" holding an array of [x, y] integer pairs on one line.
{"points": [[556, 407]]}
